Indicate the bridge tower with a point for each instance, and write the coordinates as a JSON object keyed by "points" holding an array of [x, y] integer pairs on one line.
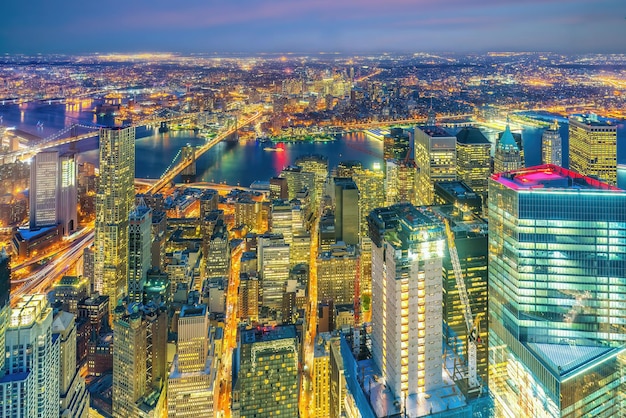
{"points": [[188, 174], [163, 128]]}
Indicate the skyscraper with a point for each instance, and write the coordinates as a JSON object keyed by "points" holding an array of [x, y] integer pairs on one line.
{"points": [[407, 252], [593, 147], [139, 361], [557, 272], [5, 289], [346, 211], [551, 146], [507, 156], [114, 201], [396, 145], [52, 193], [44, 188], [31, 386], [267, 373], [74, 394], [473, 159], [435, 156], [371, 193], [336, 272], [139, 250], [191, 378], [273, 267], [400, 182]]}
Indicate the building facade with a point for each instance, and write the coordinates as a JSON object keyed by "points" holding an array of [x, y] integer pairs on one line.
{"points": [[593, 148], [114, 201], [557, 272], [407, 252], [436, 159], [552, 146], [139, 250], [508, 155], [473, 159]]}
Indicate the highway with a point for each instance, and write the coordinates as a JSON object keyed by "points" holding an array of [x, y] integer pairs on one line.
{"points": [[44, 278], [178, 168], [231, 322]]}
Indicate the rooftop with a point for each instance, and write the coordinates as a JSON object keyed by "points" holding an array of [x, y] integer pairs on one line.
{"points": [[193, 310], [591, 120], [563, 359], [472, 136], [549, 176], [435, 131], [264, 334]]}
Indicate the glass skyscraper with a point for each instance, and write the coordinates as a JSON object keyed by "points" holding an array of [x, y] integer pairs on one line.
{"points": [[557, 293]]}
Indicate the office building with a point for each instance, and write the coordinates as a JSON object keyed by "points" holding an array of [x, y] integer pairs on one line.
{"points": [[53, 198], [470, 236], [114, 201], [188, 153], [318, 165], [248, 297], [407, 252], [347, 221], [552, 146], [556, 275], [74, 396], [30, 387], [192, 375], [278, 188], [401, 182], [473, 159], [508, 154], [436, 159], [298, 180], [371, 194], [459, 194], [593, 147], [321, 376], [267, 373], [217, 259], [139, 250], [338, 384], [273, 268], [5, 307], [69, 291], [336, 273], [139, 362], [397, 145], [349, 168]]}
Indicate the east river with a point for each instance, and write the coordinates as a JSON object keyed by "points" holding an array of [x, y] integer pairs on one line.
{"points": [[235, 163]]}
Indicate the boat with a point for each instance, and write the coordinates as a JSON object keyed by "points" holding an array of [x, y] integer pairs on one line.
{"points": [[273, 149]]}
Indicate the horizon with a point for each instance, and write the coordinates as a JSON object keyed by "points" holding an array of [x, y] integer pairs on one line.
{"points": [[348, 27]]}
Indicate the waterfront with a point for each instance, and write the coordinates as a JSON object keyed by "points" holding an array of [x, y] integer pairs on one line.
{"points": [[236, 163]]}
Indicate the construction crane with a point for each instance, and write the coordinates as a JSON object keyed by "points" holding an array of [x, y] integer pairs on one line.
{"points": [[473, 335]]}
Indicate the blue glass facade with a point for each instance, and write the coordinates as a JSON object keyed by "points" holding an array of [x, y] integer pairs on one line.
{"points": [[557, 291]]}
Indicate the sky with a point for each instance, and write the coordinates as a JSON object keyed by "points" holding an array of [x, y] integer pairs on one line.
{"points": [[302, 26]]}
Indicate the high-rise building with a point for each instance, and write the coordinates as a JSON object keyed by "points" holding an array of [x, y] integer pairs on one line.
{"points": [[43, 194], [593, 147], [267, 373], [217, 259], [5, 290], [349, 168], [407, 252], [556, 273], [318, 165], [192, 375], [114, 201], [139, 250], [459, 194], [139, 362], [371, 194], [346, 211], [278, 188], [321, 376], [52, 194], [69, 291], [297, 180], [248, 295], [396, 145], [507, 156], [30, 387], [470, 236], [336, 273], [338, 384], [401, 182], [435, 156], [551, 146], [273, 267], [473, 159], [74, 395]]}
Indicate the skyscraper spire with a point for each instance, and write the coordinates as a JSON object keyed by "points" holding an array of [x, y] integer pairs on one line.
{"points": [[430, 120]]}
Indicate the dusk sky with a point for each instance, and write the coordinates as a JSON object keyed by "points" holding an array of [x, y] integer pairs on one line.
{"points": [[251, 26]]}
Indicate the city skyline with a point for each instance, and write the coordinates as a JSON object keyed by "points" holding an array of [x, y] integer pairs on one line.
{"points": [[297, 26]]}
